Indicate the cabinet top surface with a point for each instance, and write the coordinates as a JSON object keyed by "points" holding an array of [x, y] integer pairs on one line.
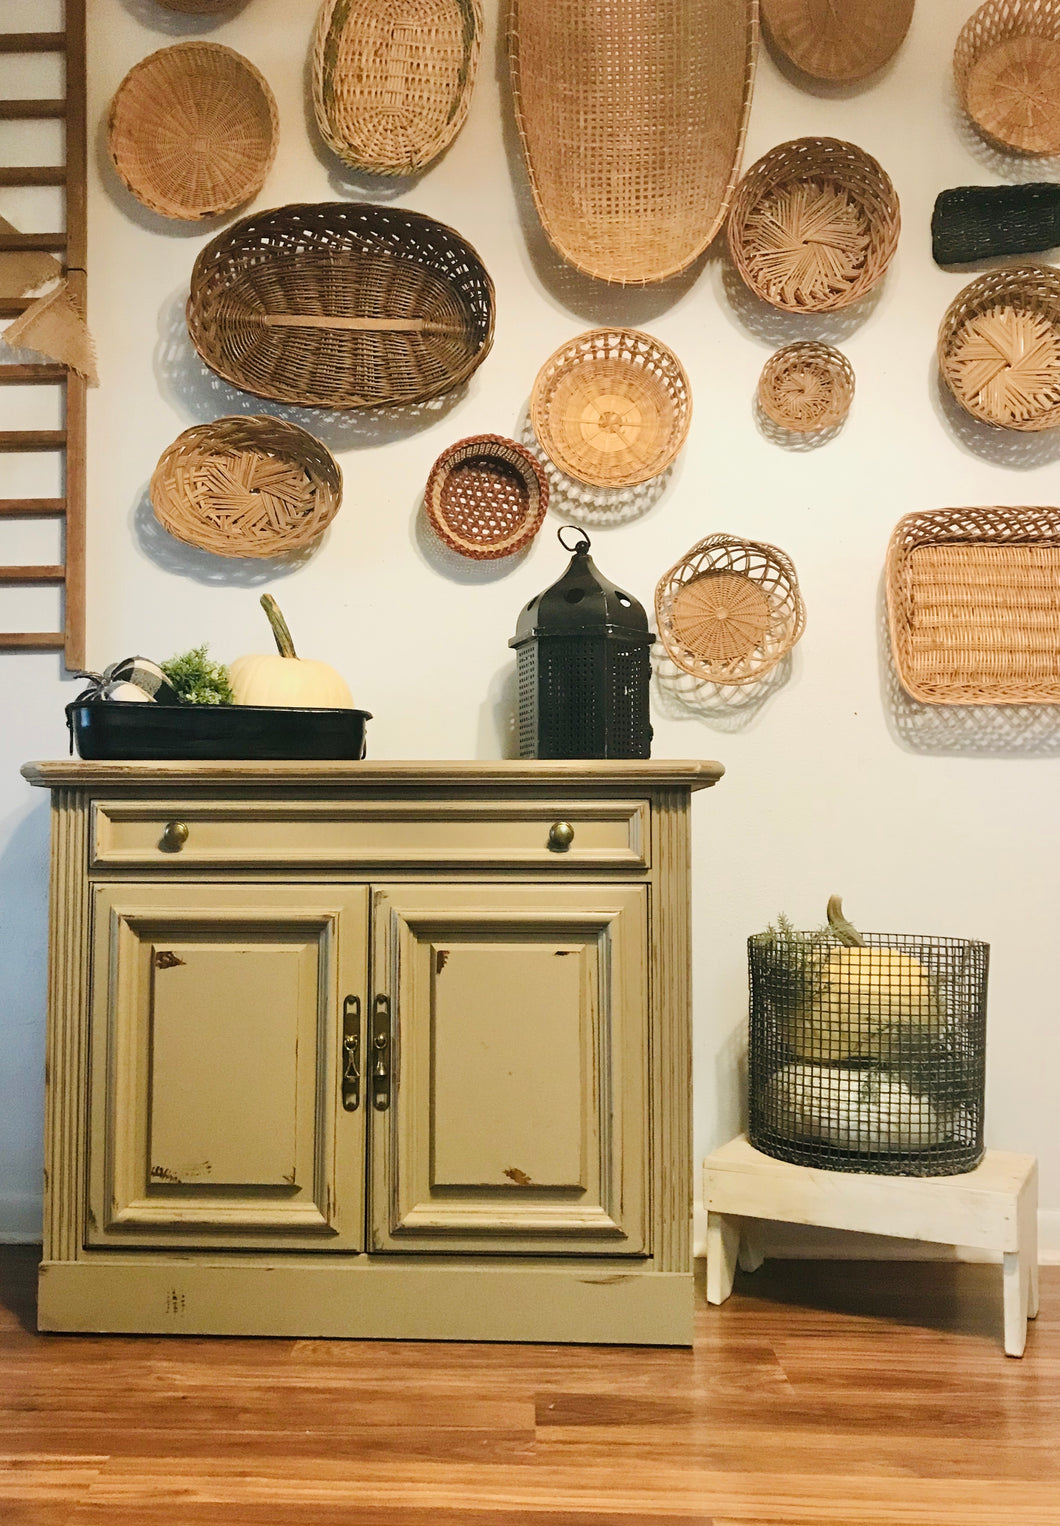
{"points": [[609, 774]]}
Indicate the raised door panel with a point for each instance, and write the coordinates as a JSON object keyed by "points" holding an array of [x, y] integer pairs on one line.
{"points": [[216, 1096], [514, 1116]]}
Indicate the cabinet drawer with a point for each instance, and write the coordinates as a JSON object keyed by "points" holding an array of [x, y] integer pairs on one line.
{"points": [[499, 833]]}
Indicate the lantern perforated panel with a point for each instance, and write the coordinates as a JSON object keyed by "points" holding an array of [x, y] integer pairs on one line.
{"points": [[583, 697]]}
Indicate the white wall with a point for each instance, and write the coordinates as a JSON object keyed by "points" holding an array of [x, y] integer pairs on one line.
{"points": [[928, 820]]}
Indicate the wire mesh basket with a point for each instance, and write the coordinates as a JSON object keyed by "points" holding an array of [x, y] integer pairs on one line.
{"points": [[868, 1057]]}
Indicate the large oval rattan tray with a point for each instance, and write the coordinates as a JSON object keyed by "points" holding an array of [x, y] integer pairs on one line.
{"points": [[341, 305]]}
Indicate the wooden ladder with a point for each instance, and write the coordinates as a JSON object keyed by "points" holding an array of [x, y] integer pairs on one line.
{"points": [[69, 247]]}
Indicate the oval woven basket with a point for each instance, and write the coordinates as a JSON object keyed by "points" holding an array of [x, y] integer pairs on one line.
{"points": [[806, 386], [999, 347], [392, 79], [192, 130], [814, 225], [341, 305], [246, 486], [1006, 67], [486, 497], [612, 407], [729, 610], [843, 43], [632, 118]]}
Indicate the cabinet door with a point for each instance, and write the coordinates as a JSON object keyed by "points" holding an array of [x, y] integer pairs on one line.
{"points": [[514, 1117], [218, 1111]]}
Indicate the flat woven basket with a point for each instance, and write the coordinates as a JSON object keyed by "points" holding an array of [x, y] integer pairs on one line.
{"points": [[246, 486], [814, 225], [999, 347], [632, 117], [612, 407], [392, 79], [486, 497], [806, 386], [1006, 66], [845, 42], [341, 305], [973, 599], [192, 130], [729, 610]]}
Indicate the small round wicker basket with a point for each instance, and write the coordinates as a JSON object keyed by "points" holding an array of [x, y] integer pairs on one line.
{"points": [[192, 130], [999, 347], [1006, 67], [246, 486], [806, 386], [612, 407], [486, 497], [729, 610], [814, 225]]}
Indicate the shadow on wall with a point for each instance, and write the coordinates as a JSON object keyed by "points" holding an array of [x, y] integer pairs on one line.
{"points": [[580, 503], [498, 723], [206, 567], [159, 18], [724, 707], [1015, 448], [778, 327]]}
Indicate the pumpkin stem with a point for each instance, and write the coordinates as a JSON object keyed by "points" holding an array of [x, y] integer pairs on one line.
{"points": [[284, 641], [843, 930]]}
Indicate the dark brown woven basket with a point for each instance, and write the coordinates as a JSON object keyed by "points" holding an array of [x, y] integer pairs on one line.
{"points": [[486, 497], [341, 305]]}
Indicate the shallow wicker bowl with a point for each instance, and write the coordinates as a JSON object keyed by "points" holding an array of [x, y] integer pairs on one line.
{"points": [[729, 610], [612, 407], [843, 43], [1006, 67], [999, 347], [814, 225], [806, 386], [341, 305], [192, 130], [486, 497], [246, 486]]}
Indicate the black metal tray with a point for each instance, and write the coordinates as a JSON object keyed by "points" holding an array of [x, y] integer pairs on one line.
{"points": [[103, 729]]}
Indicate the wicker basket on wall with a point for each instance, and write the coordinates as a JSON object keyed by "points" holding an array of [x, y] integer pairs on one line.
{"points": [[1006, 66], [999, 347], [392, 84], [814, 225], [486, 497], [192, 130], [841, 43], [341, 305], [246, 486], [806, 386]]}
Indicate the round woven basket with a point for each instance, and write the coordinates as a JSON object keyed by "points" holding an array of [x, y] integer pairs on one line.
{"points": [[612, 407], [999, 347], [486, 497], [192, 130], [806, 386], [844, 43], [729, 610], [814, 225], [246, 486], [341, 305], [1006, 66]]}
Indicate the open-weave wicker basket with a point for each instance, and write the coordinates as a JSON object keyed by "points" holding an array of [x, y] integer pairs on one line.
{"points": [[192, 130], [973, 598], [486, 497], [612, 407], [999, 347], [246, 486], [341, 305], [392, 83], [632, 117], [814, 225], [806, 386], [729, 610], [842, 43], [1006, 66]]}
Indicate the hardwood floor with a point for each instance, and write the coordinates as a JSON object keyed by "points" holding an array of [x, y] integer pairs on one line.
{"points": [[841, 1393]]}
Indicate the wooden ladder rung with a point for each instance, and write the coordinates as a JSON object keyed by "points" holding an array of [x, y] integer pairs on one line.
{"points": [[30, 111], [32, 174], [11, 307], [32, 242], [32, 574], [32, 439], [32, 641], [32, 42], [32, 374], [31, 508]]}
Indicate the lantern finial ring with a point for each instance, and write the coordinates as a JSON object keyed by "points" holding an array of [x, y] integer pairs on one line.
{"points": [[583, 541]]}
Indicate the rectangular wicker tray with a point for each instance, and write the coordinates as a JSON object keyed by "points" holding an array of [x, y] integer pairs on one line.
{"points": [[116, 730], [973, 599]]}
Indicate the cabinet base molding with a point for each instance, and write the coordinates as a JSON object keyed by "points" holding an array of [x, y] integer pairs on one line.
{"points": [[365, 1300]]}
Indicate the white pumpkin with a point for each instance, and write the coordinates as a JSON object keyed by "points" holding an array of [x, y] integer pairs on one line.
{"points": [[287, 679], [854, 1109]]}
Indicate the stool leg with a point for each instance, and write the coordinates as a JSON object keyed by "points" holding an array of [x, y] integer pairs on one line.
{"points": [[1017, 1286], [723, 1244], [1028, 1238], [751, 1254]]}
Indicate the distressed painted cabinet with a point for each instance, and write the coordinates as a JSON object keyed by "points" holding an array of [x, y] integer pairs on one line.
{"points": [[394, 1049]]}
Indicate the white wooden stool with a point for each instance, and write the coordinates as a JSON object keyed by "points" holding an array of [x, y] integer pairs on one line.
{"points": [[994, 1207]]}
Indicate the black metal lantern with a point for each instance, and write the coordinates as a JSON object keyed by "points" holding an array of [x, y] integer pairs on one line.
{"points": [[584, 668]]}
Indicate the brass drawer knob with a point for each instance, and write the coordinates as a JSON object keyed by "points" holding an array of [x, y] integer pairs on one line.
{"points": [[560, 836], [174, 836]]}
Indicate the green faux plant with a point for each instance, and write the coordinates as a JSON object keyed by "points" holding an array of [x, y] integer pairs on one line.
{"points": [[198, 679]]}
